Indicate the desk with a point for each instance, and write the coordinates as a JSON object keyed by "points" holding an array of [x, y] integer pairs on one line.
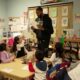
{"points": [[17, 72]]}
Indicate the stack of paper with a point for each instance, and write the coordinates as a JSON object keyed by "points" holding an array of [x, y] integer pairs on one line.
{"points": [[75, 73]]}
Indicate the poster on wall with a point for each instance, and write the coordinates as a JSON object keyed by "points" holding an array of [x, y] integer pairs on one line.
{"points": [[32, 14], [53, 11], [64, 21], [65, 11], [54, 22], [45, 10], [17, 24]]}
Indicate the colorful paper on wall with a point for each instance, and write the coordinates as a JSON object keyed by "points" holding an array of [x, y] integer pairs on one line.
{"points": [[65, 11], [64, 21], [53, 11]]}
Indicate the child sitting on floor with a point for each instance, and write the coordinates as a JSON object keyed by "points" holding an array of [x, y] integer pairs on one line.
{"points": [[40, 66], [57, 60], [58, 56]]}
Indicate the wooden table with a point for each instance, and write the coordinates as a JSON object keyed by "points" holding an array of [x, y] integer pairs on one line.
{"points": [[73, 40], [15, 70]]}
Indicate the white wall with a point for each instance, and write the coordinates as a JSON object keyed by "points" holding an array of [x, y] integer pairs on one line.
{"points": [[17, 7], [76, 10], [2, 9], [3, 14]]}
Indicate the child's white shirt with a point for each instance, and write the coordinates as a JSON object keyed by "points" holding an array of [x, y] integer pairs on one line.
{"points": [[39, 75], [55, 60]]}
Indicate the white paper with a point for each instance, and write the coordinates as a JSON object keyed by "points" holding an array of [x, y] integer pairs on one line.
{"points": [[25, 68], [33, 23], [8, 70], [75, 73]]}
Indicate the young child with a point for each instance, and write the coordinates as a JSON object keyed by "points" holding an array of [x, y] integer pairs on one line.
{"points": [[18, 47], [56, 57], [5, 57], [39, 67], [57, 60]]}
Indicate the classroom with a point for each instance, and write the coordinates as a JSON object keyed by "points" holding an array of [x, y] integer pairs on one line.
{"points": [[39, 40]]}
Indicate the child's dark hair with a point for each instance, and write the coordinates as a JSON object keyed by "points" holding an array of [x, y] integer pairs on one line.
{"points": [[16, 41], [59, 49], [39, 55], [2, 46]]}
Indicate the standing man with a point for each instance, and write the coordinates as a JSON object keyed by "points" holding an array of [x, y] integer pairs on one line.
{"points": [[43, 31]]}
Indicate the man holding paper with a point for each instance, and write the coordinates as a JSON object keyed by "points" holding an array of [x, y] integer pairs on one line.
{"points": [[43, 31]]}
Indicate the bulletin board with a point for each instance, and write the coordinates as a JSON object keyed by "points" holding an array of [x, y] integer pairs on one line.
{"points": [[60, 13], [62, 17]]}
